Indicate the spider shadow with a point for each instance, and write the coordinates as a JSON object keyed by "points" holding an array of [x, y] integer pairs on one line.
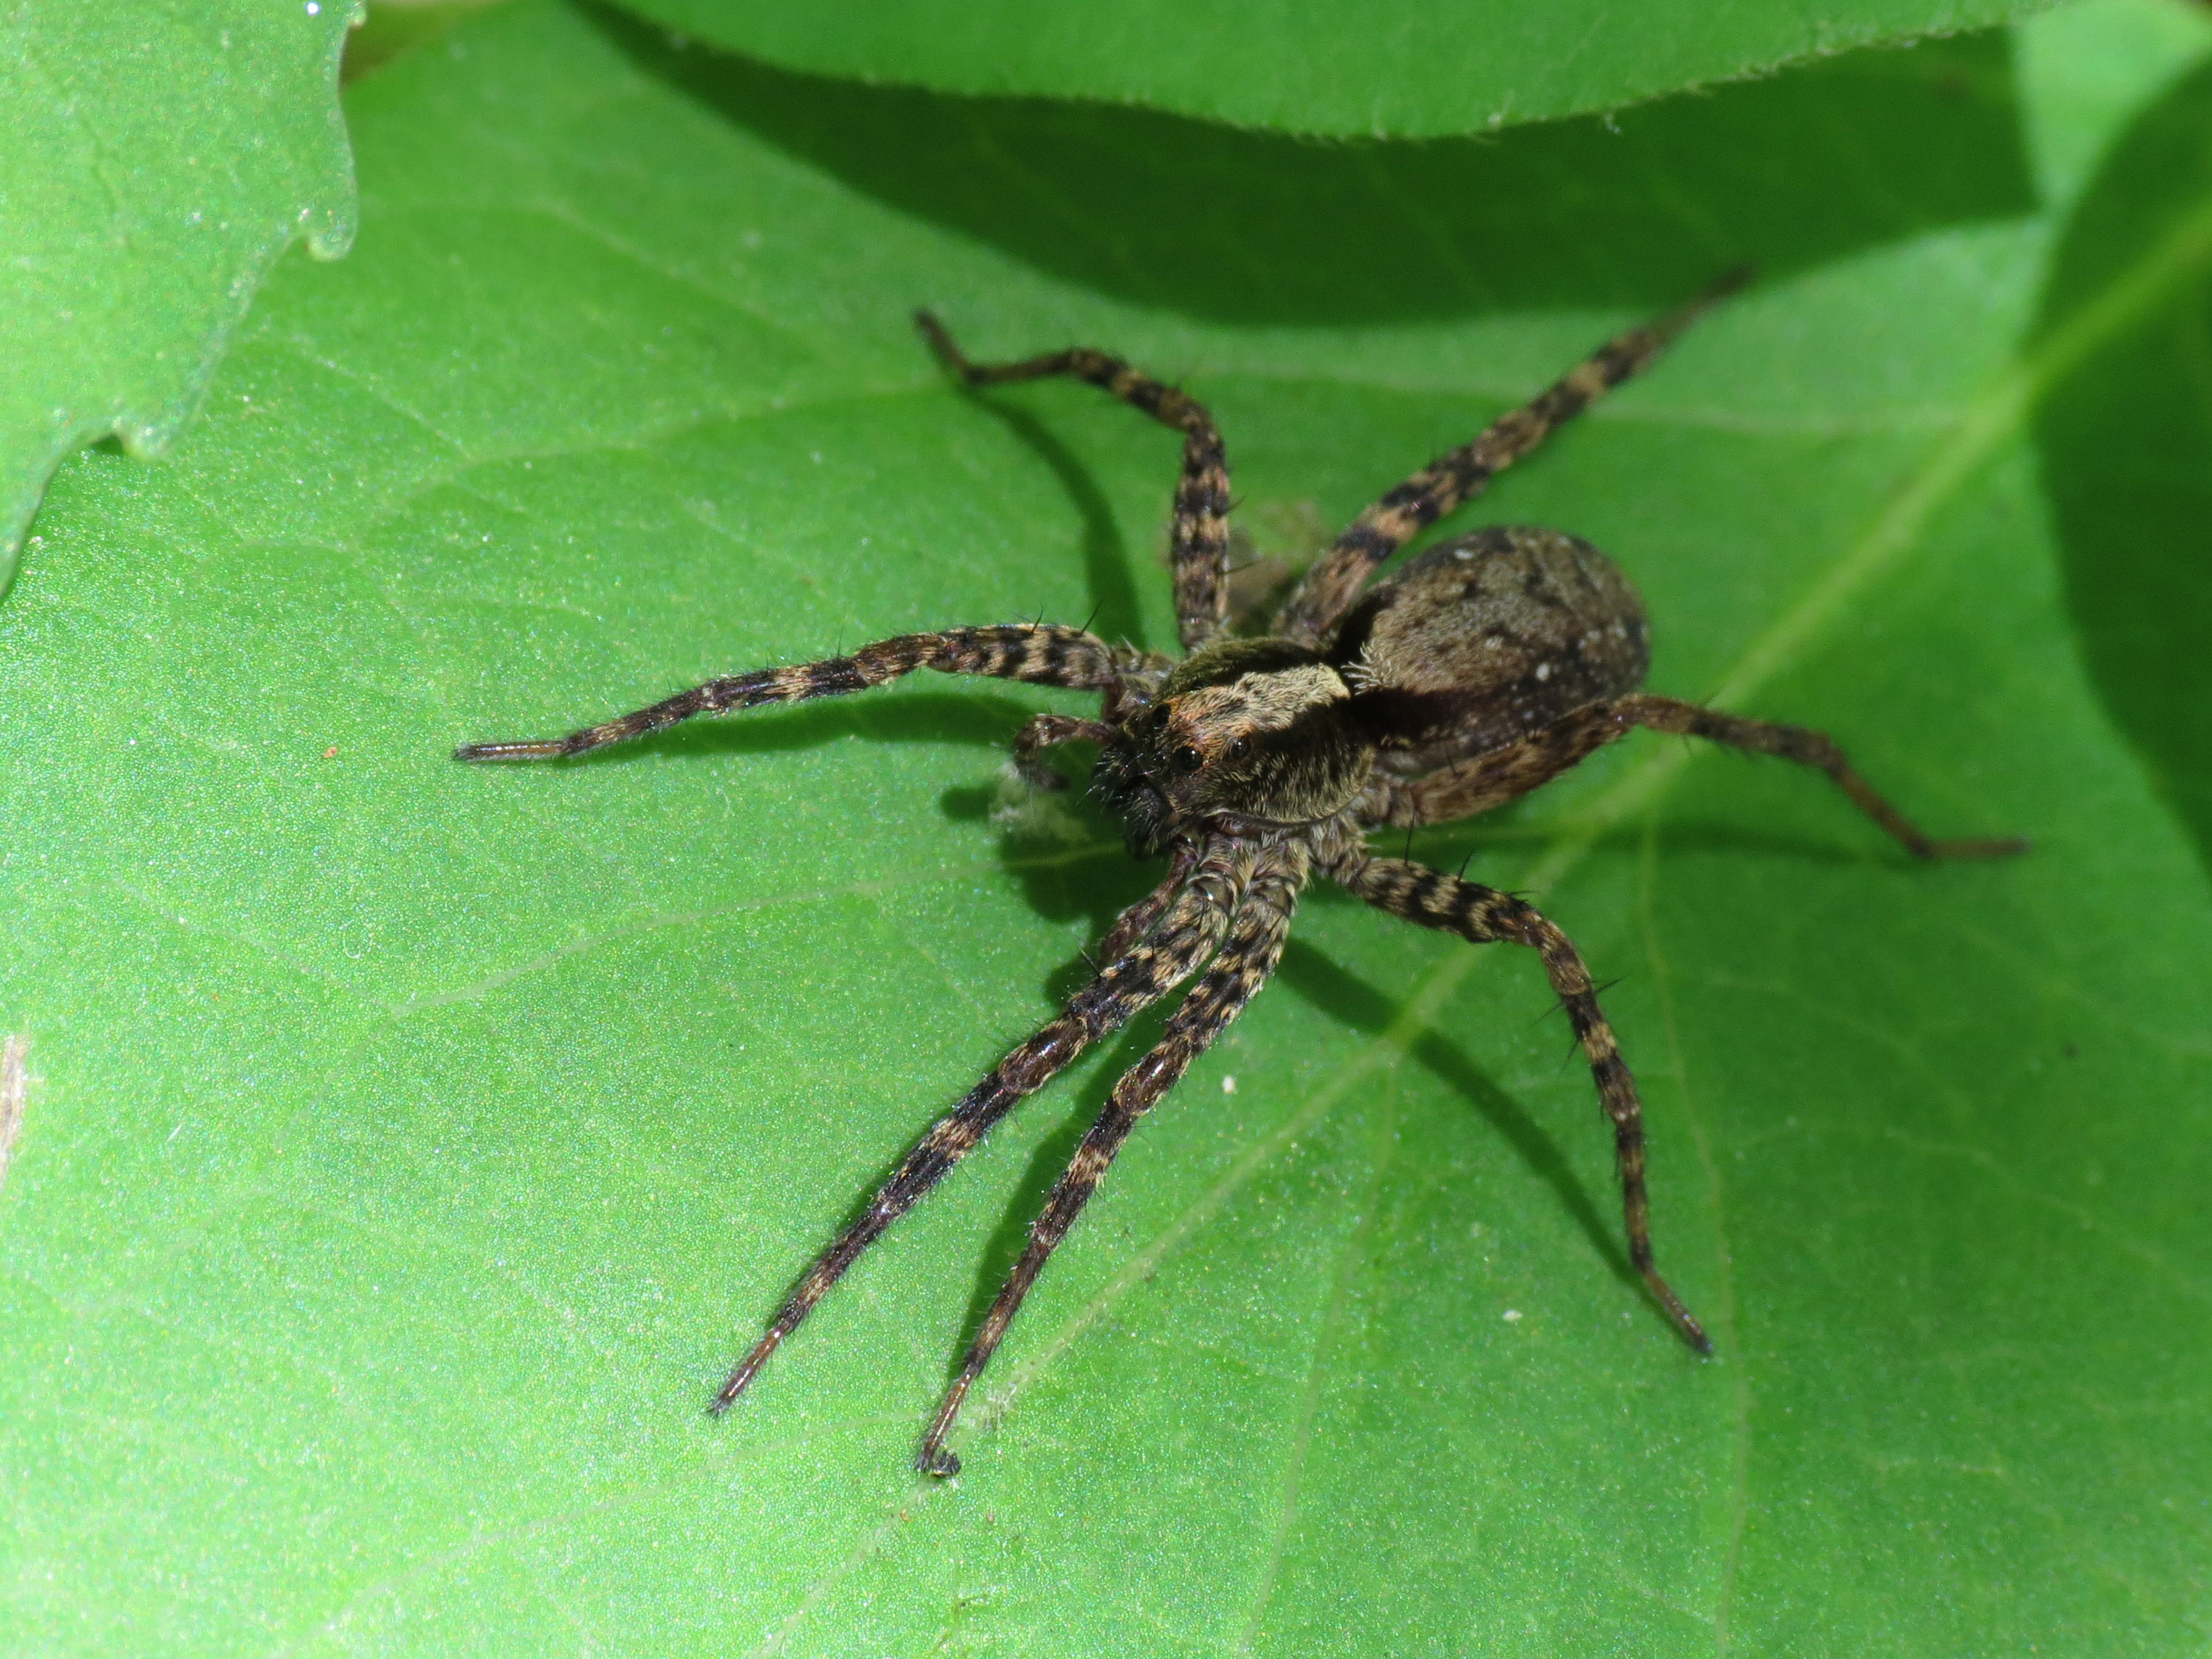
{"points": [[1116, 614], [1352, 1001], [1467, 848], [1072, 863], [1004, 1247], [934, 717]]}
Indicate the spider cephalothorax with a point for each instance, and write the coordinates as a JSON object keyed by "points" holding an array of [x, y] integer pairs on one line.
{"points": [[1246, 735], [1484, 667]]}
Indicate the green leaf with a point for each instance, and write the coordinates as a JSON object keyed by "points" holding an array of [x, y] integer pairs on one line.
{"points": [[417, 1145], [1881, 144], [1398, 69], [393, 29], [2123, 440], [157, 159]]}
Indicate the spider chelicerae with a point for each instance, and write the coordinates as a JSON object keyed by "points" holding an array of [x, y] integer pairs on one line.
{"points": [[1487, 665]]}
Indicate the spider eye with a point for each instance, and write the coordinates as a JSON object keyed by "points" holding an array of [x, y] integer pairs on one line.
{"points": [[1239, 748], [1160, 718], [1187, 759]]}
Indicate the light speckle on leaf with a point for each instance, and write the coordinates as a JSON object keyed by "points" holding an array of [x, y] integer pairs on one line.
{"points": [[14, 1091]]}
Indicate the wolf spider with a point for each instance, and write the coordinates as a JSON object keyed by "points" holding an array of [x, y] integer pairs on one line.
{"points": [[1487, 665]]}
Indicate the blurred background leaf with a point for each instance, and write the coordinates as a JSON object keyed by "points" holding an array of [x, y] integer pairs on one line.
{"points": [[1397, 69], [156, 159], [417, 1145], [2126, 440]]}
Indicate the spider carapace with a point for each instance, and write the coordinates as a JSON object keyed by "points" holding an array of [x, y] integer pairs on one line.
{"points": [[1486, 666]]}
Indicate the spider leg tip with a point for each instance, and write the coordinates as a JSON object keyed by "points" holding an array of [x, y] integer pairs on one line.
{"points": [[509, 751], [939, 340], [937, 1462], [1693, 1333], [726, 1395]]}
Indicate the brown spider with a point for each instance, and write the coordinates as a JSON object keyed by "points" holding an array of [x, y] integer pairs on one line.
{"points": [[1486, 666]]}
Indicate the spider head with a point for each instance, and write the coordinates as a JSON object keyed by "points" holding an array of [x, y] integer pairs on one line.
{"points": [[1258, 732]]}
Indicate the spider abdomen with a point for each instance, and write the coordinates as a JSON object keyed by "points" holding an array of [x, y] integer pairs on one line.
{"points": [[1486, 640]]}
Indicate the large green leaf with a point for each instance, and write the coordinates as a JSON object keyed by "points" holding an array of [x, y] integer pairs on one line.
{"points": [[156, 158], [416, 1144], [2125, 441], [1395, 68]]}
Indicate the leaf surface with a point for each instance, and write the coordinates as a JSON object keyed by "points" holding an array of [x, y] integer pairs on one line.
{"points": [[416, 1144], [157, 159], [2123, 439], [1396, 68]]}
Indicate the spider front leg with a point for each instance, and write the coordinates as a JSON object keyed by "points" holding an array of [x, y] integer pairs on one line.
{"points": [[1484, 915], [1042, 732], [1159, 956], [1198, 535], [1039, 653], [1335, 579], [1141, 918], [1247, 959]]}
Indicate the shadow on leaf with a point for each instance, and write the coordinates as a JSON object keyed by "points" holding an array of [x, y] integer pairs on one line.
{"points": [[932, 717], [1350, 999], [1115, 612], [1472, 843], [1637, 209]]}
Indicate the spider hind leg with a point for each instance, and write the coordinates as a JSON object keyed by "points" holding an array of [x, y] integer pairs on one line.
{"points": [[1806, 748], [1483, 915]]}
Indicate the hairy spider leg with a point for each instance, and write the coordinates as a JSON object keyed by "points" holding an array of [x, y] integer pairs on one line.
{"points": [[1336, 577], [1154, 963], [1043, 653], [1806, 748], [1197, 536], [1466, 787], [1247, 958], [1042, 732], [1141, 918], [1483, 915]]}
